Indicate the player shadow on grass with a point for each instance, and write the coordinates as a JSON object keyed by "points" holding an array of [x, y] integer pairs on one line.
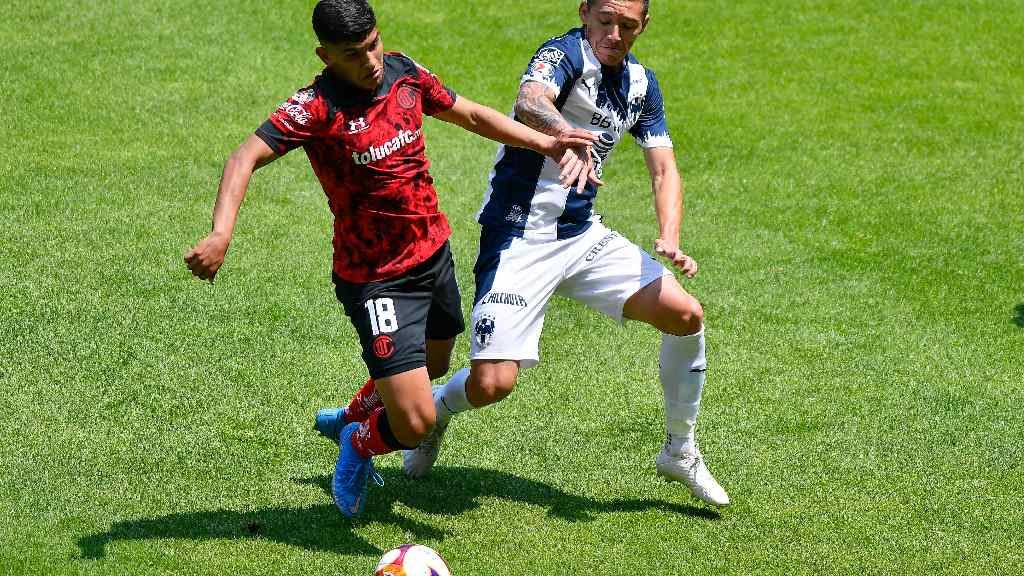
{"points": [[449, 491], [319, 527], [456, 490], [1019, 318]]}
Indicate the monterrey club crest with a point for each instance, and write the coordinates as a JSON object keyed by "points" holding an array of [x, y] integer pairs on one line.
{"points": [[483, 330], [407, 96], [384, 346]]}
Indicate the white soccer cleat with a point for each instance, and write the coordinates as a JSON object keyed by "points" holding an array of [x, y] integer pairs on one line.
{"points": [[417, 462], [687, 466]]}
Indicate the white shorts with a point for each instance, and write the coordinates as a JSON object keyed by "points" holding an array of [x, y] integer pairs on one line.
{"points": [[515, 278]]}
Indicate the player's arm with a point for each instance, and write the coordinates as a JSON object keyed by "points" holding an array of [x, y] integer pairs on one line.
{"points": [[206, 258], [568, 147], [667, 186], [535, 107]]}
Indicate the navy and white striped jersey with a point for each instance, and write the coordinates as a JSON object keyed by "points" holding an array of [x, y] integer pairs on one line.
{"points": [[525, 197]]}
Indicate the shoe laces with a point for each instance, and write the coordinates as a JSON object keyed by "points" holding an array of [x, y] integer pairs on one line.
{"points": [[377, 478]]}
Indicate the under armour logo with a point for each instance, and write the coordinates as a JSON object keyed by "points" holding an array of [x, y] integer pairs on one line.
{"points": [[357, 125]]}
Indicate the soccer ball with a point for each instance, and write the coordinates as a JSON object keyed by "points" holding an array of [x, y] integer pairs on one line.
{"points": [[412, 560]]}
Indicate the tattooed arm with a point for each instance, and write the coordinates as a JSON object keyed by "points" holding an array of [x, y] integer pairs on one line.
{"points": [[535, 107]]}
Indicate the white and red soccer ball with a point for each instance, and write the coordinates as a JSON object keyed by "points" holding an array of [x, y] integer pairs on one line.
{"points": [[412, 560]]}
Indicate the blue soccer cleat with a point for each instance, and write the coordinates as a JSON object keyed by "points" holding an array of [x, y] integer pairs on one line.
{"points": [[351, 473], [329, 422]]}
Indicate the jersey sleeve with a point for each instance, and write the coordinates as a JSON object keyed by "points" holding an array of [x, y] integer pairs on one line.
{"points": [[437, 97], [301, 118], [651, 129], [556, 64]]}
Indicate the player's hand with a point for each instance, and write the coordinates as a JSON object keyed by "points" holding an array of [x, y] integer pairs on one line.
{"points": [[576, 164], [571, 149], [671, 251], [206, 258]]}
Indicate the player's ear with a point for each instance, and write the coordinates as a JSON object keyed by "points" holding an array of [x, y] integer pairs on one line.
{"points": [[321, 53], [647, 20], [583, 12]]}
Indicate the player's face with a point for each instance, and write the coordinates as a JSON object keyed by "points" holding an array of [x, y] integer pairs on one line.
{"points": [[612, 26], [360, 63]]}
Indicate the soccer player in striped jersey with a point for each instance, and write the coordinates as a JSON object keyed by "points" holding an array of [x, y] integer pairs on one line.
{"points": [[535, 228]]}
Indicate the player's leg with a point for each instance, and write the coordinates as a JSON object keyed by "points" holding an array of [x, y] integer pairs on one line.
{"points": [[624, 282], [439, 357], [444, 320], [486, 382], [329, 421], [507, 318], [390, 318], [404, 419], [665, 305], [444, 323]]}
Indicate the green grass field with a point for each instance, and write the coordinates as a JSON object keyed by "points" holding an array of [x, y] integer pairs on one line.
{"points": [[855, 195]]}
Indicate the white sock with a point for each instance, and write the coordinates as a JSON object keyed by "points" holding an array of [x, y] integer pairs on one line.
{"points": [[450, 399], [682, 365]]}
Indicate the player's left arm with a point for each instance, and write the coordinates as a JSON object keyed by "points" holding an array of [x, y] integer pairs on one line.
{"points": [[568, 148], [667, 186]]}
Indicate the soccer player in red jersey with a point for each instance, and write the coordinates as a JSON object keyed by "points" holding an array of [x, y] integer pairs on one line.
{"points": [[360, 124]]}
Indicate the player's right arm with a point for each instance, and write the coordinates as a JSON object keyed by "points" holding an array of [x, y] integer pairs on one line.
{"points": [[205, 259], [535, 107]]}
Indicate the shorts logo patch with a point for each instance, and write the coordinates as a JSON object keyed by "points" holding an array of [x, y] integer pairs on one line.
{"points": [[384, 346], [407, 97], [596, 249], [506, 298], [483, 330]]}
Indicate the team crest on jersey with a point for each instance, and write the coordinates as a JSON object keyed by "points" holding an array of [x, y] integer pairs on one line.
{"points": [[407, 97], [515, 215], [483, 330], [358, 125], [304, 96]]}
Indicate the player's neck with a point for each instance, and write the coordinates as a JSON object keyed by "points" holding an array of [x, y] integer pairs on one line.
{"points": [[346, 87]]}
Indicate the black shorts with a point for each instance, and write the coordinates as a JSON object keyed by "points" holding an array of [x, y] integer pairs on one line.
{"points": [[395, 317]]}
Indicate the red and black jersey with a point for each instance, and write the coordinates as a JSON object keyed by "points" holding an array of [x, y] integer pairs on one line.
{"points": [[368, 152]]}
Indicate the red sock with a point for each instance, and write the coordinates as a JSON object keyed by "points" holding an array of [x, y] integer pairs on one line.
{"points": [[374, 436], [363, 403]]}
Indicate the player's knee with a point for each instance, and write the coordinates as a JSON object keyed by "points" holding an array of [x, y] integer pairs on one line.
{"points": [[490, 386], [413, 426], [688, 318]]}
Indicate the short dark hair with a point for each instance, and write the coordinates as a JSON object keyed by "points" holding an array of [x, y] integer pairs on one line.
{"points": [[342, 20], [647, 4]]}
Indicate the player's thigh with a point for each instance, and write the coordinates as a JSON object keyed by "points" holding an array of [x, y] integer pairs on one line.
{"points": [[444, 319], [610, 273], [668, 307], [515, 278], [439, 357]]}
